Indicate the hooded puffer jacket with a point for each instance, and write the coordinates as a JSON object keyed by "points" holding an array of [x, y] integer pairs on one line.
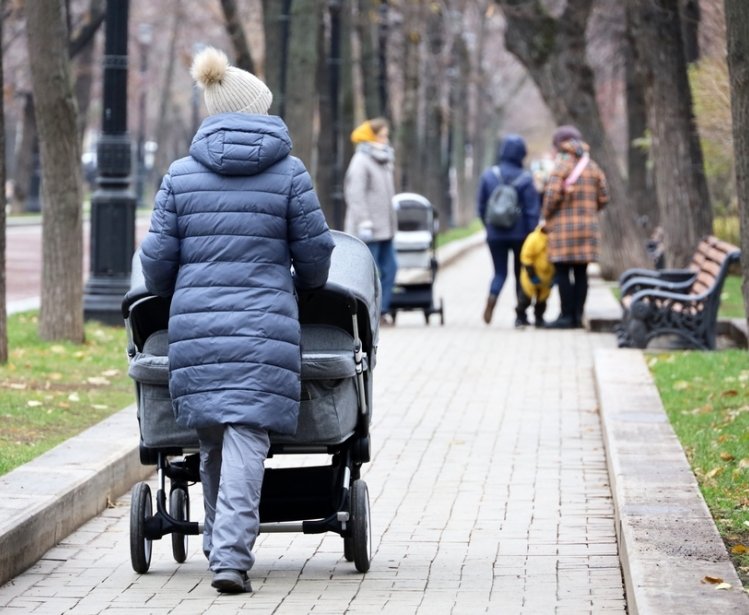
{"points": [[229, 222], [510, 155]]}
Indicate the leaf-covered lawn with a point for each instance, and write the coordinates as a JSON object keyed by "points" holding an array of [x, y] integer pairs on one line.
{"points": [[50, 391], [706, 397]]}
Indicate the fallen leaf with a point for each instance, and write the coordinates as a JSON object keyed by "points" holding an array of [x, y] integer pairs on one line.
{"points": [[99, 406], [33, 403], [681, 385], [723, 586], [739, 549], [730, 393], [714, 472], [57, 349], [712, 580], [74, 397], [55, 376], [744, 463], [97, 380], [19, 386], [110, 372], [727, 456]]}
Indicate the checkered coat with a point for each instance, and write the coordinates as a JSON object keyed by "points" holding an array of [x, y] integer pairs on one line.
{"points": [[571, 214]]}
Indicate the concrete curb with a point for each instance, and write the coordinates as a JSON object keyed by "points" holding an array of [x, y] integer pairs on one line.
{"points": [[50, 497], [668, 541]]}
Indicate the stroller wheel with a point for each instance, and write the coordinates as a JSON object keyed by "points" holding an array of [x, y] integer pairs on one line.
{"points": [[140, 512], [361, 535], [179, 508]]}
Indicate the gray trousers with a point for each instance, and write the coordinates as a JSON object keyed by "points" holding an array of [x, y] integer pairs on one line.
{"points": [[232, 463]]}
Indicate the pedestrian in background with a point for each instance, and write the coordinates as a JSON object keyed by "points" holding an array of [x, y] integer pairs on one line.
{"points": [[369, 189], [575, 194], [511, 152], [229, 222]]}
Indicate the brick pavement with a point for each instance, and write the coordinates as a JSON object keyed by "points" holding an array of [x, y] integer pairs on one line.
{"points": [[489, 490]]}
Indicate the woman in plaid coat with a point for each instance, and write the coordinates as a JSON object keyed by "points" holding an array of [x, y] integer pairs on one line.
{"points": [[576, 191]]}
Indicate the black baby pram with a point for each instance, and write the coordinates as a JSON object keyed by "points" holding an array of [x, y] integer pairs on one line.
{"points": [[340, 327], [415, 243]]}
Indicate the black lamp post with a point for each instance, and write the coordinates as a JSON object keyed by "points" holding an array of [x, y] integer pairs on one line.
{"points": [[113, 202]]}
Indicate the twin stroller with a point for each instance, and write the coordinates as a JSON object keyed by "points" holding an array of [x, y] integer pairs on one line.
{"points": [[340, 328]]}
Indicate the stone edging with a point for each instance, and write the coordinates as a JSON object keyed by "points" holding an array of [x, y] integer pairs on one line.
{"points": [[668, 542]]}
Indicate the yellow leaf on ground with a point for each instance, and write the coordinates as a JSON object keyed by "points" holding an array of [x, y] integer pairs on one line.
{"points": [[744, 463], [97, 380], [110, 372], [55, 376], [681, 385], [57, 349], [712, 580], [727, 456], [33, 403], [739, 549], [714, 472], [74, 397], [723, 586], [19, 386]]}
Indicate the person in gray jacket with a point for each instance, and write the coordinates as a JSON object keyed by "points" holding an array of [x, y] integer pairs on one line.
{"points": [[368, 190], [229, 222]]}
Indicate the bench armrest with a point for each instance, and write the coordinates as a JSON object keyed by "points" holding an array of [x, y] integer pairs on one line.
{"points": [[636, 284], [666, 275]]}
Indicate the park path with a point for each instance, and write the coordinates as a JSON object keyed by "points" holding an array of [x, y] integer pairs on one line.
{"points": [[488, 486]]}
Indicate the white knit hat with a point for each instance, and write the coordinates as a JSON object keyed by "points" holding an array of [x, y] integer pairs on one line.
{"points": [[228, 89]]}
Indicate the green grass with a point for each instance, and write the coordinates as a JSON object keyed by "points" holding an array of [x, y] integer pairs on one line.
{"points": [[51, 391], [706, 397], [462, 232], [731, 299]]}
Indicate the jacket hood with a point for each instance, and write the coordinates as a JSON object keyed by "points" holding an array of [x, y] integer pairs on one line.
{"points": [[512, 149], [240, 143]]}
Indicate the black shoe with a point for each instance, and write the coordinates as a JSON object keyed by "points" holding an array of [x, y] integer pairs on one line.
{"points": [[563, 322], [540, 323], [229, 581], [521, 321]]}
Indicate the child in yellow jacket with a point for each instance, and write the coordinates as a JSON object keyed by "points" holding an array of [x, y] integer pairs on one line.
{"points": [[536, 273]]}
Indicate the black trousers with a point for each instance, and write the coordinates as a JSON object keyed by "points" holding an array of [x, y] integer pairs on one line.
{"points": [[573, 289], [524, 302]]}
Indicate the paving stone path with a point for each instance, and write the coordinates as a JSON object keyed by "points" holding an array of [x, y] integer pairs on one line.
{"points": [[488, 487]]}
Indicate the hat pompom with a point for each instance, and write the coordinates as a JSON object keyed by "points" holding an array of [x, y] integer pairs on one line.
{"points": [[209, 67]]}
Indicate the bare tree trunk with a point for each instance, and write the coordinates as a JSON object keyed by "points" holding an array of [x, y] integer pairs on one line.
{"points": [[301, 87], [276, 20], [407, 145], [237, 36], [737, 25], [434, 186], [554, 52], [61, 314], [681, 187], [463, 208], [24, 155], [3, 259], [366, 28], [164, 153], [641, 190], [689, 10]]}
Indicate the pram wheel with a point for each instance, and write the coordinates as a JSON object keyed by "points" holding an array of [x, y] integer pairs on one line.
{"points": [[179, 508], [360, 545], [140, 511]]}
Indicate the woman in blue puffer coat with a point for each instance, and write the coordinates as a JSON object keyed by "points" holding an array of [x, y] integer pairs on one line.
{"points": [[510, 155], [230, 220]]}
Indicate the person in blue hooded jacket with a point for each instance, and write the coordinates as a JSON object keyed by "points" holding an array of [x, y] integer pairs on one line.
{"points": [[511, 152], [229, 223]]}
